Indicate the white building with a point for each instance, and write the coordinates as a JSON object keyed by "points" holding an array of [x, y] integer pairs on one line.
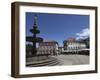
{"points": [[71, 45]]}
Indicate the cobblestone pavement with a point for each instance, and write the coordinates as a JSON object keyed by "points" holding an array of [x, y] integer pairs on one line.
{"points": [[72, 59], [58, 60]]}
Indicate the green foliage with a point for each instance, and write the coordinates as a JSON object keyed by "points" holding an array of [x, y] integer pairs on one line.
{"points": [[86, 41], [28, 48]]}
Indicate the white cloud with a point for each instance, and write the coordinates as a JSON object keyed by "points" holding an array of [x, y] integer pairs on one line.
{"points": [[83, 34]]}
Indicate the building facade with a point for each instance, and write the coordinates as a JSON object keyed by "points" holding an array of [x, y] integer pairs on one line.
{"points": [[48, 48], [60, 49], [74, 46]]}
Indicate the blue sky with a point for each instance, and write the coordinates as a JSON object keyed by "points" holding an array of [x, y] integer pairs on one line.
{"points": [[59, 27]]}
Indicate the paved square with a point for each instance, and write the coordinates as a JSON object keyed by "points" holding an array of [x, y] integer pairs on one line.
{"points": [[72, 59]]}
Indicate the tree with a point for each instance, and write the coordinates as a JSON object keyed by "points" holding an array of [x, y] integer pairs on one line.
{"points": [[86, 41]]}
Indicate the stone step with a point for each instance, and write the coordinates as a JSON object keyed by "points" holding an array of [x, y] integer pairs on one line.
{"points": [[54, 63], [32, 61], [50, 62]]}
